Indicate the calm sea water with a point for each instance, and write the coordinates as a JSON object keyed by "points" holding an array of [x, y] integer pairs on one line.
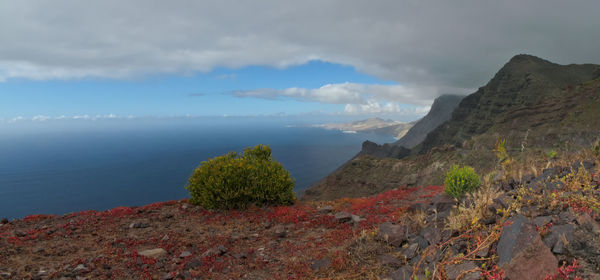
{"points": [[63, 168]]}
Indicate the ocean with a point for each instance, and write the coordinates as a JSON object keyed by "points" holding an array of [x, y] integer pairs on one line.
{"points": [[63, 167]]}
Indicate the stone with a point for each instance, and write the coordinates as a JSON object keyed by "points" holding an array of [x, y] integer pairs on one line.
{"points": [[559, 247], [431, 234], [421, 241], [356, 219], [185, 254], [559, 232], [153, 253], [319, 264], [542, 221], [566, 216], [419, 206], [402, 273], [326, 209], [588, 223], [442, 202], [80, 269], [410, 251], [280, 231], [167, 276], [342, 217], [387, 260], [521, 252], [20, 233], [139, 225], [222, 249], [392, 234], [453, 271], [194, 263]]}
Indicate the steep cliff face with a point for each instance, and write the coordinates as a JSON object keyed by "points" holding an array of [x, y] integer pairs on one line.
{"points": [[522, 83], [535, 105], [441, 111]]}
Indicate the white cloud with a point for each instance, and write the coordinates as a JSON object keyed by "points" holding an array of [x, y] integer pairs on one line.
{"points": [[373, 107], [441, 44], [350, 93]]}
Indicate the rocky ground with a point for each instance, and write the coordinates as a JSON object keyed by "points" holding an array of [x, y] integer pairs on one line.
{"points": [[544, 226]]}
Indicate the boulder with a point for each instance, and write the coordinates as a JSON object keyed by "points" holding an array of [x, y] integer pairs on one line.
{"points": [[453, 271], [556, 232], [326, 209], [393, 234], [388, 260], [343, 217], [521, 252], [319, 264], [588, 223], [153, 253], [402, 273], [442, 202]]}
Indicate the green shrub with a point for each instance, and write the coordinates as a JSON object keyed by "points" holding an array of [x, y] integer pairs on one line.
{"points": [[552, 154], [459, 181], [596, 148], [236, 180]]}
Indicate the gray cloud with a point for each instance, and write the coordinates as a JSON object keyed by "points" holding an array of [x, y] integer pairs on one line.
{"points": [[451, 46]]}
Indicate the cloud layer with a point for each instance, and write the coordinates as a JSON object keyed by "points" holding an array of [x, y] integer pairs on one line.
{"points": [[449, 46]]}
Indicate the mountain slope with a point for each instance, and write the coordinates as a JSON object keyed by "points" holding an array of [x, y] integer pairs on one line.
{"points": [[536, 105], [441, 111]]}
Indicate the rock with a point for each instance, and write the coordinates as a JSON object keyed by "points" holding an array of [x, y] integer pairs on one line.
{"points": [[410, 251], [153, 253], [453, 271], [420, 206], [432, 234], [442, 202], [167, 276], [326, 209], [421, 241], [280, 231], [483, 252], [222, 249], [318, 264], [185, 254], [411, 179], [521, 252], [356, 219], [80, 269], [402, 273], [387, 260], [342, 217], [588, 223], [268, 224], [542, 220], [566, 216], [139, 225], [393, 234], [194, 263], [559, 232], [558, 247], [20, 233]]}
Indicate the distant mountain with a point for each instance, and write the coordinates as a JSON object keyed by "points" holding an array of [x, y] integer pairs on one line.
{"points": [[441, 111], [372, 125], [535, 105]]}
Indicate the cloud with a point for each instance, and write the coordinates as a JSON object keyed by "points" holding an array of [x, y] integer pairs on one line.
{"points": [[350, 93], [447, 45]]}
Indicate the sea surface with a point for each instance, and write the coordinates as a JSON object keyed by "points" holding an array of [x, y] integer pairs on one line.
{"points": [[63, 167]]}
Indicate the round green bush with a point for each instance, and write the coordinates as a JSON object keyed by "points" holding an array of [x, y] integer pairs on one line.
{"points": [[237, 180], [459, 181]]}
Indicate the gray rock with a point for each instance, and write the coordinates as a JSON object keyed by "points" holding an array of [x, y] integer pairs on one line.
{"points": [[557, 232], [319, 264], [566, 216], [139, 225], [432, 234], [453, 271], [387, 260], [342, 217], [587, 222], [326, 209], [79, 269], [410, 251], [542, 220], [20, 233], [559, 247], [185, 254], [280, 231], [356, 219], [153, 253], [442, 202], [402, 273], [393, 234]]}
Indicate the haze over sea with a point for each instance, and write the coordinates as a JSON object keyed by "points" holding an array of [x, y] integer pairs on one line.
{"points": [[58, 167]]}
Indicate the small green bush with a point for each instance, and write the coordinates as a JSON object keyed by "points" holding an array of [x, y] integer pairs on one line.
{"points": [[552, 154], [459, 181], [238, 180]]}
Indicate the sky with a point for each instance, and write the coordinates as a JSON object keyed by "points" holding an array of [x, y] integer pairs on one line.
{"points": [[69, 59]]}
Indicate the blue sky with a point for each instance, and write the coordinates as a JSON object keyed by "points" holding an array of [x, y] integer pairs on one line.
{"points": [[199, 94]]}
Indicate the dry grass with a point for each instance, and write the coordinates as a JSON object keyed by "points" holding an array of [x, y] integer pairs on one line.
{"points": [[473, 208]]}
